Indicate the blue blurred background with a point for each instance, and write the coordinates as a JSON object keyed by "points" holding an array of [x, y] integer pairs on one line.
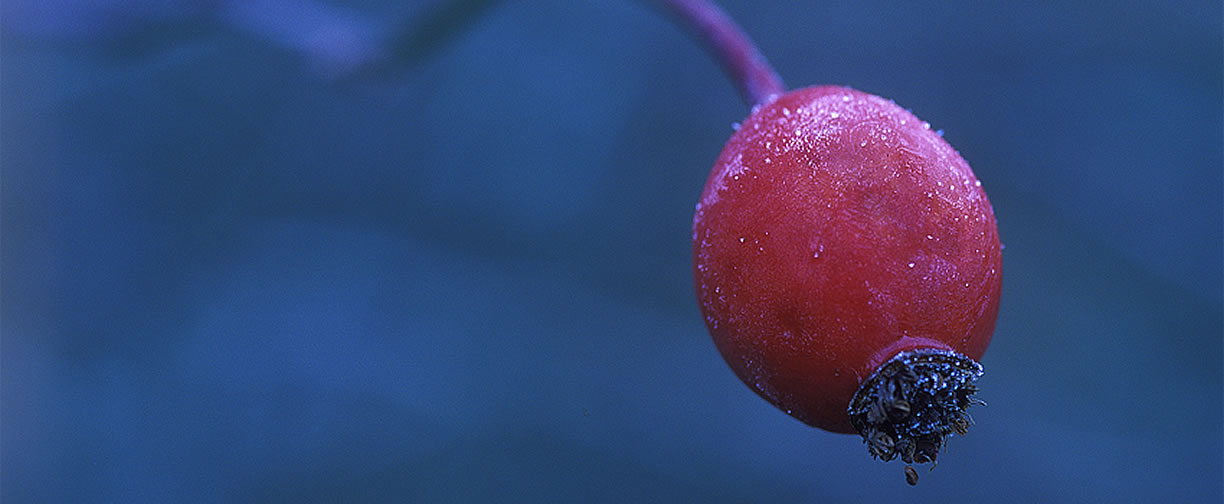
{"points": [[231, 273]]}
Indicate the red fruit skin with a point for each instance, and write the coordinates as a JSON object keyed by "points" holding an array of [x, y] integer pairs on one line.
{"points": [[836, 230]]}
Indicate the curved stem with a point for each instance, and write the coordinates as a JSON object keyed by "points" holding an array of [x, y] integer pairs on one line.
{"points": [[756, 80]]}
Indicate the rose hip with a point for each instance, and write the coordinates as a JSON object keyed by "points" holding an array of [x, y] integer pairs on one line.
{"points": [[847, 260], [848, 267]]}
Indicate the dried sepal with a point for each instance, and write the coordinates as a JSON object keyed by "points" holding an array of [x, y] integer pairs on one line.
{"points": [[911, 404]]}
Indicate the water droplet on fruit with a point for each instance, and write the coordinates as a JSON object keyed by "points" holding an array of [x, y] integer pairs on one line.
{"points": [[741, 239], [926, 125], [977, 183], [939, 132], [846, 98], [929, 237], [817, 249], [768, 144], [835, 115], [735, 126], [863, 143], [911, 265], [767, 161], [785, 111]]}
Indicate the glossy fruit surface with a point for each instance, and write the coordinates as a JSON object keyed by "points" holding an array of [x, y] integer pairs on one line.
{"points": [[835, 230]]}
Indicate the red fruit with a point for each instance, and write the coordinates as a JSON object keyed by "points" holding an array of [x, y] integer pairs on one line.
{"points": [[843, 250]]}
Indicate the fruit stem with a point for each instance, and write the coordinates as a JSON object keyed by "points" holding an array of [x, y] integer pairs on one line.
{"points": [[756, 81], [912, 402]]}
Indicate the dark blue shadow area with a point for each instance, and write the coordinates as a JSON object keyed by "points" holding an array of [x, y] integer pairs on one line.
{"points": [[230, 276]]}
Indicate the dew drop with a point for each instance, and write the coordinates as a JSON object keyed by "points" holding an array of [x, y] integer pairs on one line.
{"points": [[735, 126], [911, 265], [977, 183], [939, 132], [767, 161], [863, 143], [786, 111], [741, 239], [767, 144], [846, 98], [926, 125], [929, 237]]}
